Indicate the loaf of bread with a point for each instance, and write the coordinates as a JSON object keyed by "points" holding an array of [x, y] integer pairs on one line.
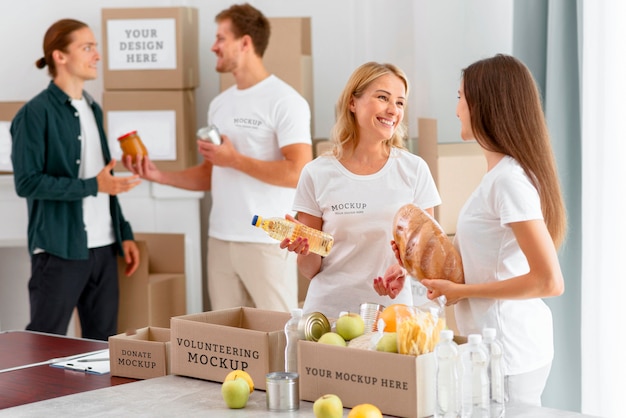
{"points": [[425, 249]]}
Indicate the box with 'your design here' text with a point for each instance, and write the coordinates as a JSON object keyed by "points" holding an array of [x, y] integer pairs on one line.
{"points": [[150, 48], [210, 345]]}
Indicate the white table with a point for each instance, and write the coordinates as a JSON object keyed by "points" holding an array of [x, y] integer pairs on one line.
{"points": [[176, 396]]}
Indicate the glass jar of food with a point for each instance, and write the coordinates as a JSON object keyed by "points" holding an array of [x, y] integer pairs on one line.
{"points": [[132, 145]]}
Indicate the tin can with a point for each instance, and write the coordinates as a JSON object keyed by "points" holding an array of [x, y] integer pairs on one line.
{"points": [[312, 326], [282, 391], [210, 133]]}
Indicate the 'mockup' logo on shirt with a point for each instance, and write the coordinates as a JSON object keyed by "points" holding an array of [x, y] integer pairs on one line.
{"points": [[348, 208], [247, 123]]}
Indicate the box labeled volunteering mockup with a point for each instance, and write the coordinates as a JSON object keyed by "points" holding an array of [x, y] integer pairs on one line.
{"points": [[210, 345]]}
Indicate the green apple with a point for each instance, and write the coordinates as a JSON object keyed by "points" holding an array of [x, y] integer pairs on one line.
{"points": [[350, 326], [332, 338], [388, 342], [328, 406], [236, 393]]}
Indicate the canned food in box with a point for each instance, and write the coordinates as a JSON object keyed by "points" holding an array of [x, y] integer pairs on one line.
{"points": [[312, 326]]}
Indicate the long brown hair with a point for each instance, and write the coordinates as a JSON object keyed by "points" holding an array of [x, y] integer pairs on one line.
{"points": [[507, 117], [57, 37], [247, 20], [345, 131]]}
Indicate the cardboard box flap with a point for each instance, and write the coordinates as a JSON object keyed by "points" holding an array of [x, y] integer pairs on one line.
{"points": [[271, 321], [152, 334], [243, 318]]}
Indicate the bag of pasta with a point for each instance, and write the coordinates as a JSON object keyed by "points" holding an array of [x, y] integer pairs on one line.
{"points": [[418, 328]]}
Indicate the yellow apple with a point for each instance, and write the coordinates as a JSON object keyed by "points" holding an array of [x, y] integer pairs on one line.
{"points": [[332, 338], [388, 342], [328, 406], [236, 393], [243, 375], [365, 410], [350, 326]]}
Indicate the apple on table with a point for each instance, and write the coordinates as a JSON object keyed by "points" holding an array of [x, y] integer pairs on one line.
{"points": [[328, 406]]}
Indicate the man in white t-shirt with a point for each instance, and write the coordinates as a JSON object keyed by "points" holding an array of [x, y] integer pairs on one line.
{"points": [[266, 140]]}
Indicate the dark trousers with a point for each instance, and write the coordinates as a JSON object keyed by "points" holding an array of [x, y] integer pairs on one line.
{"points": [[58, 285]]}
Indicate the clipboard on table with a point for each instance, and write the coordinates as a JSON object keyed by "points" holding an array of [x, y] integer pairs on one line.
{"points": [[96, 362]]}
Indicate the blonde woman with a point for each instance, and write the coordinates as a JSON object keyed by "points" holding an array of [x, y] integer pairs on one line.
{"points": [[354, 192]]}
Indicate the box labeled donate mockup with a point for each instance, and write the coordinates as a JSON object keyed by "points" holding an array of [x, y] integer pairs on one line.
{"points": [[398, 384], [140, 355], [210, 345]]}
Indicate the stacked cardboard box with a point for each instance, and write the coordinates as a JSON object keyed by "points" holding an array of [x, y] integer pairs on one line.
{"points": [[456, 167], [150, 59], [7, 112], [157, 290], [288, 56]]}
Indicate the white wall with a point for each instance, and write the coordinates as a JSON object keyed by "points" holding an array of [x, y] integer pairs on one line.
{"points": [[430, 40]]}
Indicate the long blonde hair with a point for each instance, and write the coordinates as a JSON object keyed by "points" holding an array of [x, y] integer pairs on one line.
{"points": [[507, 117], [345, 132]]}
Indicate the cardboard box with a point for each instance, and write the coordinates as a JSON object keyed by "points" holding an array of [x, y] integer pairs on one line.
{"points": [[456, 167], [7, 113], [288, 56], [150, 48], [164, 120], [209, 345], [157, 290], [143, 355], [399, 385]]}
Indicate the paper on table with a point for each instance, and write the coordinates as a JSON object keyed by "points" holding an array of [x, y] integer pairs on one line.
{"points": [[96, 363]]}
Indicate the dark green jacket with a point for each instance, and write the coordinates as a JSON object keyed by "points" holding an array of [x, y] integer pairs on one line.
{"points": [[46, 158]]}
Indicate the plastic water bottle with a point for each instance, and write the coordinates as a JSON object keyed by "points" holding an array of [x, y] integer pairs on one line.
{"points": [[447, 394], [292, 335], [475, 381], [495, 372], [280, 228]]}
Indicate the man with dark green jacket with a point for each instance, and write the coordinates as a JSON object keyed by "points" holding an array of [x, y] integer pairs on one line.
{"points": [[62, 166]]}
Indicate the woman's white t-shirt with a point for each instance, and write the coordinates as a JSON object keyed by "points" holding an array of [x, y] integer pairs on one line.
{"points": [[490, 253], [358, 210]]}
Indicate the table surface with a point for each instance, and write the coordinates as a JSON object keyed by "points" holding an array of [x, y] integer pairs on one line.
{"points": [[44, 390], [185, 397], [37, 383]]}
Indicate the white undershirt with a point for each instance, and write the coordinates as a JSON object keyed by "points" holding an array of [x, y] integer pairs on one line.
{"points": [[96, 212]]}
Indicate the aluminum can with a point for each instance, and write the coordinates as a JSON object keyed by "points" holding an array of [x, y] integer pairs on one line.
{"points": [[282, 391], [312, 326]]}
